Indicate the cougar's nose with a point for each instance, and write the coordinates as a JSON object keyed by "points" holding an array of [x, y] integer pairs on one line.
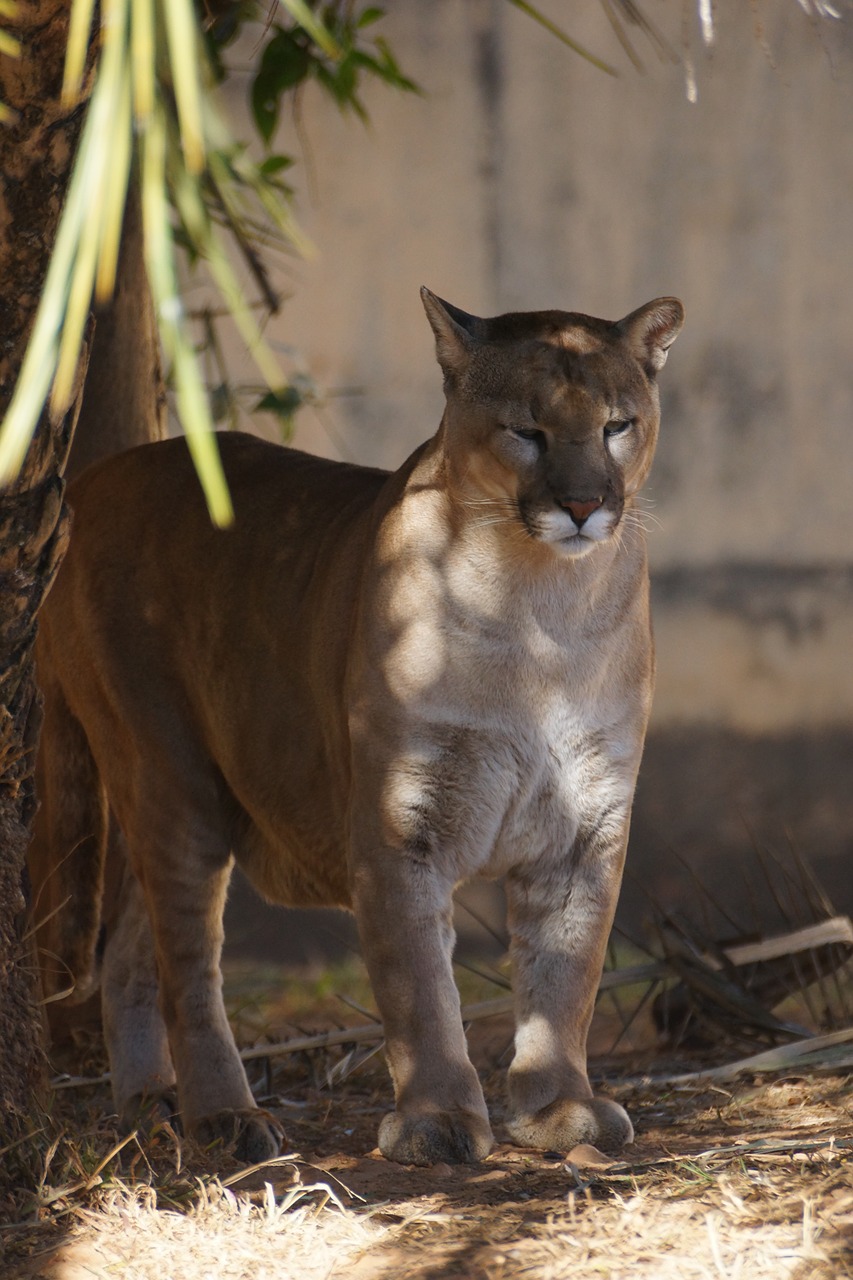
{"points": [[581, 511]]}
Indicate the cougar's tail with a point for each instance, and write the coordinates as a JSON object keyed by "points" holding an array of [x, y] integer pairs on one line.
{"points": [[68, 853]]}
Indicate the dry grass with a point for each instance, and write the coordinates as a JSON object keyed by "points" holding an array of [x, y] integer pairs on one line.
{"points": [[219, 1235], [750, 1180]]}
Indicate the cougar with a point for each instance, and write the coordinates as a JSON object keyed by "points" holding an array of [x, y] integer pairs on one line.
{"points": [[372, 687]]}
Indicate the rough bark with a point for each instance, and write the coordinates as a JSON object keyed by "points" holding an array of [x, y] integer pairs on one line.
{"points": [[35, 159]]}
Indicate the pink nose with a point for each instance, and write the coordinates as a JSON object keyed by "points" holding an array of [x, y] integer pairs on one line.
{"points": [[580, 511]]}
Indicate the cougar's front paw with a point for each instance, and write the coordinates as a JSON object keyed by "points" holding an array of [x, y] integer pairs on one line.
{"points": [[451, 1137], [254, 1136], [565, 1123]]}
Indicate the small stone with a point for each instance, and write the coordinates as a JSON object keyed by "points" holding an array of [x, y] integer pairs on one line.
{"points": [[586, 1156]]}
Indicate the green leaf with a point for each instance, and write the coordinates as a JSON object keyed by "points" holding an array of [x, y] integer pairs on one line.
{"points": [[264, 109], [283, 403], [285, 63], [317, 30], [79, 28], [221, 402], [391, 71], [275, 164], [193, 406], [538, 16], [371, 14], [184, 50]]}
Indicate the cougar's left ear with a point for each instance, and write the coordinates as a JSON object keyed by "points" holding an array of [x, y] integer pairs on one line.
{"points": [[651, 331], [456, 333]]}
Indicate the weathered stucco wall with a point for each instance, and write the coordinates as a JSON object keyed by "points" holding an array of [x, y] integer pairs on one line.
{"points": [[526, 178]]}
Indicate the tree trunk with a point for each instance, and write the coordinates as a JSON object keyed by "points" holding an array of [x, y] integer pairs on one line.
{"points": [[124, 399], [122, 405], [36, 152]]}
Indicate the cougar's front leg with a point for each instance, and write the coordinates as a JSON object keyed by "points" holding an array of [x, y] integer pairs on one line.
{"points": [[403, 909], [560, 918]]}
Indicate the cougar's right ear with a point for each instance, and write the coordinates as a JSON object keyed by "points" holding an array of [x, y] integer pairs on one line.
{"points": [[651, 331], [456, 333]]}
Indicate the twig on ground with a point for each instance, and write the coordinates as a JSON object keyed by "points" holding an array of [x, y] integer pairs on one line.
{"points": [[811, 1052]]}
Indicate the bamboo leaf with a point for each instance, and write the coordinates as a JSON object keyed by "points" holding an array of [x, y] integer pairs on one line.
{"points": [[160, 259], [143, 58], [30, 394], [563, 36], [142, 42], [268, 195], [196, 218], [9, 45], [79, 28], [185, 56], [107, 170], [77, 310], [115, 189], [201, 437], [39, 361], [317, 30]]}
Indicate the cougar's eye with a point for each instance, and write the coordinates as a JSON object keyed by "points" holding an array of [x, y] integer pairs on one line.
{"points": [[528, 433], [618, 428]]}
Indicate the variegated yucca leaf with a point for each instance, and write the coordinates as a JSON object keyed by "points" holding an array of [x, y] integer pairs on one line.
{"points": [[150, 97]]}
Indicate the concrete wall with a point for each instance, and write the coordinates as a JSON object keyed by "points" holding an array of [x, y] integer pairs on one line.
{"points": [[526, 178]]}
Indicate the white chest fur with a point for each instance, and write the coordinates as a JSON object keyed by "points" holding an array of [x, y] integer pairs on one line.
{"points": [[513, 704]]}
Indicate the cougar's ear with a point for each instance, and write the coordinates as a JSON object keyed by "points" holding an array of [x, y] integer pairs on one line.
{"points": [[456, 333], [651, 330]]}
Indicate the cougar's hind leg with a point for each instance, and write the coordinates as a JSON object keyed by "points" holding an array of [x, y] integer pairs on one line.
{"points": [[180, 855], [66, 855], [141, 1069]]}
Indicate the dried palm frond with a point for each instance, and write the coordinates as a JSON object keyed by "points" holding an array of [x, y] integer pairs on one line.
{"points": [[732, 987]]}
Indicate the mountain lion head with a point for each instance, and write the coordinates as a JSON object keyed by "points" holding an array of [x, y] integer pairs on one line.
{"points": [[552, 416]]}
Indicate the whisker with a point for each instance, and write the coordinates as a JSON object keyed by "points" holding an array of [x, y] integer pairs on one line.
{"points": [[641, 520], [493, 504], [485, 521]]}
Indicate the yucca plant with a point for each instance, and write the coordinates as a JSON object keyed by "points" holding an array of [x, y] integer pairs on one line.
{"points": [[146, 73]]}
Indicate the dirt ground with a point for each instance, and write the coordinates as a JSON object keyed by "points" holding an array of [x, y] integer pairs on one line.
{"points": [[741, 1181]]}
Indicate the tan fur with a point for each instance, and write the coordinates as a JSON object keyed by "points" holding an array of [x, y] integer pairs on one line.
{"points": [[369, 689]]}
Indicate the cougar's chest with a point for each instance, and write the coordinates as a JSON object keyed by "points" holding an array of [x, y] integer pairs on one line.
{"points": [[504, 727], [574, 753]]}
